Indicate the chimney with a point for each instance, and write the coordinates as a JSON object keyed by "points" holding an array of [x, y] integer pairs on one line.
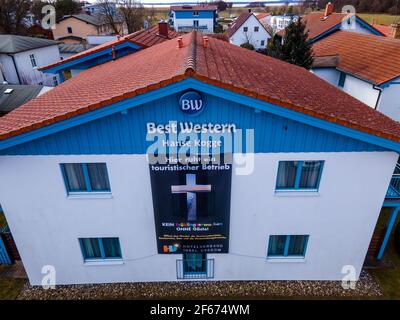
{"points": [[249, 10], [395, 30], [163, 29], [328, 9], [180, 42], [205, 41]]}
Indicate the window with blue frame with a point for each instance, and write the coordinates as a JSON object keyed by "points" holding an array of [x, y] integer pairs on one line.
{"points": [[299, 175], [100, 248], [86, 177], [287, 246], [342, 79]]}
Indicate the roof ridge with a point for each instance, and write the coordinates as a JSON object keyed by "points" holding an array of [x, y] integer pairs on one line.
{"points": [[190, 66]]}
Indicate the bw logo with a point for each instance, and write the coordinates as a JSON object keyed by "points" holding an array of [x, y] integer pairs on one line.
{"points": [[191, 103]]}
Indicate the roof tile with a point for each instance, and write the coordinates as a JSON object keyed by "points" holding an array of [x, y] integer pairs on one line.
{"points": [[372, 58], [221, 64]]}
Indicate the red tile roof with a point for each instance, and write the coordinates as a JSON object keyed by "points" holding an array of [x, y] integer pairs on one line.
{"points": [[199, 7], [372, 58], [386, 30], [220, 64], [144, 38], [262, 15], [317, 24]]}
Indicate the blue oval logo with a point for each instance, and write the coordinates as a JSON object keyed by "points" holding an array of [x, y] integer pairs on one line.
{"points": [[191, 103]]}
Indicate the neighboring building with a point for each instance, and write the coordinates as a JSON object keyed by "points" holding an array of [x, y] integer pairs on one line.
{"points": [[20, 58], [193, 17], [279, 23], [69, 50], [264, 17], [72, 65], [96, 9], [14, 96], [303, 204], [76, 28], [320, 25], [248, 29], [364, 66]]}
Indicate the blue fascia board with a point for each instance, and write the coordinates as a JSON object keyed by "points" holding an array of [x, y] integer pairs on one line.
{"points": [[94, 55], [191, 83], [390, 82], [367, 26]]}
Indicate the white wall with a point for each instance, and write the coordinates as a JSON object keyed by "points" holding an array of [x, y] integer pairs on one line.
{"points": [[390, 101], [330, 75], [9, 73], [44, 56], [354, 27], [255, 38], [340, 219], [359, 89]]}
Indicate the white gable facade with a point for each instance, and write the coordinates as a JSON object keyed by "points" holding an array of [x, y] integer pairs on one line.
{"points": [[251, 31]]}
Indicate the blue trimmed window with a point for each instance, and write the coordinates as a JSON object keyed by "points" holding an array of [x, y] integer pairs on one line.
{"points": [[85, 177], [100, 248], [287, 246], [299, 175], [194, 263], [342, 79]]}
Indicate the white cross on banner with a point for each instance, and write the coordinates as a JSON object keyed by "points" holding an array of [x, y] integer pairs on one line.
{"points": [[191, 188]]}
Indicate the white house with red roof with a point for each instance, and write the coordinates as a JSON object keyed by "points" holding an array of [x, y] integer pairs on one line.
{"points": [[196, 159], [364, 66], [248, 29]]}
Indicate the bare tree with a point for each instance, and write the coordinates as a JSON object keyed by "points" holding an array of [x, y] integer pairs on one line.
{"points": [[133, 14], [12, 15], [108, 14]]}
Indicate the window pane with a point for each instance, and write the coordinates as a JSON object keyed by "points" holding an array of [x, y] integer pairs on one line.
{"points": [[310, 174], [297, 245], [286, 174], [194, 262], [276, 246], [75, 178], [90, 248], [98, 176], [111, 247]]}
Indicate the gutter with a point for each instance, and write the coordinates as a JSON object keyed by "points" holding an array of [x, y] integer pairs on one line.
{"points": [[15, 67], [375, 87]]}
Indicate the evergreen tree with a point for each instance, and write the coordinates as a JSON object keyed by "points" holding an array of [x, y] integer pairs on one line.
{"points": [[294, 48]]}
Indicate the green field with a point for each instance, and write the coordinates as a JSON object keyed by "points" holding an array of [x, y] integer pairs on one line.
{"points": [[379, 18]]}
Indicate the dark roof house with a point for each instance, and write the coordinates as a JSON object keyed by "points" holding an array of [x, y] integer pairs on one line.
{"points": [[13, 96], [10, 44]]}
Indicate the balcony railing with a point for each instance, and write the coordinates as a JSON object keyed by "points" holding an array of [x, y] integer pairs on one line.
{"points": [[394, 187], [204, 272], [191, 27]]}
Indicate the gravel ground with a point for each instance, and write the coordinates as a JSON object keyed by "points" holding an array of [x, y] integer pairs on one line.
{"points": [[366, 287]]}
